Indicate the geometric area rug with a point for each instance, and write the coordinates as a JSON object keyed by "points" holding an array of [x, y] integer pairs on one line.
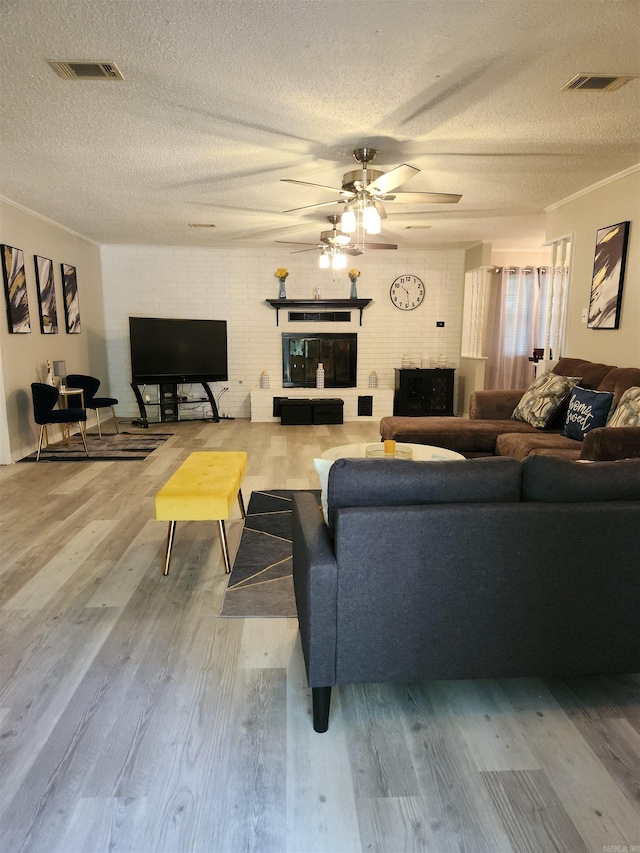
{"points": [[110, 448], [261, 582]]}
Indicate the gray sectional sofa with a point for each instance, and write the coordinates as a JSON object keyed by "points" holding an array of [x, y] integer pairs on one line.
{"points": [[490, 429], [476, 568]]}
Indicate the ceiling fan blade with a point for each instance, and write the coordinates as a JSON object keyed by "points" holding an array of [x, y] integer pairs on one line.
{"points": [[389, 181], [382, 213], [352, 250], [309, 206], [344, 193], [297, 251], [295, 243], [424, 198], [378, 245]]}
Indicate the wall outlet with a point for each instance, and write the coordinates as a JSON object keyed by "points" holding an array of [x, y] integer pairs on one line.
{"points": [[585, 315], [440, 324]]}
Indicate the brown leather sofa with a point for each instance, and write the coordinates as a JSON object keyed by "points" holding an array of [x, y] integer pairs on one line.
{"points": [[490, 430]]}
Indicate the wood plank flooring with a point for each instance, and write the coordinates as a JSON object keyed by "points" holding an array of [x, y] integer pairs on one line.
{"points": [[132, 718]]}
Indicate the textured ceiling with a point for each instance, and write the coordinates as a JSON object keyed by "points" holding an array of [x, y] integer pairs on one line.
{"points": [[223, 99]]}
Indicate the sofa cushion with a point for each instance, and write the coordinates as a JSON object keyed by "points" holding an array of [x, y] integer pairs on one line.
{"points": [[627, 412], [587, 410], [519, 446], [460, 434], [395, 482], [571, 454], [592, 372], [542, 398], [559, 481], [619, 380]]}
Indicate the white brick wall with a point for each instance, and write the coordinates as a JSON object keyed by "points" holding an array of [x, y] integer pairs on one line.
{"points": [[233, 284]]}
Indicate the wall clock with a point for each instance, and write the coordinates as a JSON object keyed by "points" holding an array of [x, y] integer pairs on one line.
{"points": [[407, 292]]}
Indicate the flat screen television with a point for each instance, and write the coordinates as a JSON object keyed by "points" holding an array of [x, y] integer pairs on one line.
{"points": [[170, 350]]}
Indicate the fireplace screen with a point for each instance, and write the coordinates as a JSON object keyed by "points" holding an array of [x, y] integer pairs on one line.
{"points": [[301, 355]]}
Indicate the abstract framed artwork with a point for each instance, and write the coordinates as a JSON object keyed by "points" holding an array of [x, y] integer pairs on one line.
{"points": [[15, 288], [608, 276], [71, 304], [46, 295]]}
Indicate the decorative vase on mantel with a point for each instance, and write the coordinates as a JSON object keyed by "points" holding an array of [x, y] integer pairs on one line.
{"points": [[281, 274], [354, 275]]}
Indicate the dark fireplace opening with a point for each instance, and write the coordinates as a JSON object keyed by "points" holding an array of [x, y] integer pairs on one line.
{"points": [[301, 355]]}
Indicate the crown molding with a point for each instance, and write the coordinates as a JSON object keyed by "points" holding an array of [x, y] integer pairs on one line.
{"points": [[47, 220], [593, 187]]}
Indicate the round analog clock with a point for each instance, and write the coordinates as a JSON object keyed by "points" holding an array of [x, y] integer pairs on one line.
{"points": [[407, 292]]}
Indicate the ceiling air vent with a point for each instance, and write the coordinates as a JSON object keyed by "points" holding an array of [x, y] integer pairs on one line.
{"points": [[598, 82], [86, 70]]}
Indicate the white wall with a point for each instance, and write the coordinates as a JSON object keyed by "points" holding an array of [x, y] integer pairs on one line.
{"points": [[617, 200], [23, 357], [233, 284]]}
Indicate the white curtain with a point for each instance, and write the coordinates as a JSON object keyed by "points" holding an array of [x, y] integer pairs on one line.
{"points": [[526, 312]]}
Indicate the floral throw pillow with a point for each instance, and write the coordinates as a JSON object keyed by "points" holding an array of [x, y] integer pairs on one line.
{"points": [[540, 401], [627, 412]]}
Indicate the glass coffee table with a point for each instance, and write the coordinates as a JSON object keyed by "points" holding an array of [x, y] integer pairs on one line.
{"points": [[417, 452]]}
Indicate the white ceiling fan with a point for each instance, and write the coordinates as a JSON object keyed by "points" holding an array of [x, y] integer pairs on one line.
{"points": [[363, 191], [334, 245]]}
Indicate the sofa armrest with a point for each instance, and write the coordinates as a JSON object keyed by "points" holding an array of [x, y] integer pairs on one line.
{"points": [[315, 581], [494, 405], [610, 443]]}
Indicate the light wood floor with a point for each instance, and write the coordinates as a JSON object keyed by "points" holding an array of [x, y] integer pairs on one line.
{"points": [[133, 718]]}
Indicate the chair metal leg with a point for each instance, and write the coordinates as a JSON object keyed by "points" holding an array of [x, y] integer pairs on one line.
{"points": [[42, 429], [170, 535], [84, 440], [225, 546], [241, 504], [115, 420], [97, 411]]}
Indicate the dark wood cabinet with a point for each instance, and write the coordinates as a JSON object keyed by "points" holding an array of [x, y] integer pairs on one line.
{"points": [[420, 392]]}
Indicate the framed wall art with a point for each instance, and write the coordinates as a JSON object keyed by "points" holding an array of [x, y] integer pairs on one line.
{"points": [[15, 289], [71, 304], [46, 295], [608, 276]]}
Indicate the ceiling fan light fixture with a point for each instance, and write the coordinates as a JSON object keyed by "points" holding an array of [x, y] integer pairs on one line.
{"points": [[348, 220], [339, 261], [371, 219], [324, 262]]}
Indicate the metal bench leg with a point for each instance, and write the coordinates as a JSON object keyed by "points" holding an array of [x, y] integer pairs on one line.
{"points": [[241, 504], [170, 535], [225, 546]]}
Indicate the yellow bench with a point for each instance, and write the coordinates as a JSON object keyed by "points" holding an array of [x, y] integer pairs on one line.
{"points": [[204, 488]]}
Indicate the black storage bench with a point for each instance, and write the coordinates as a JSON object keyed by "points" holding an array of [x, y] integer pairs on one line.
{"points": [[296, 411], [328, 411]]}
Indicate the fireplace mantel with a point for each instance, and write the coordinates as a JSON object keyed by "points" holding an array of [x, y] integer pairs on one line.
{"points": [[318, 304]]}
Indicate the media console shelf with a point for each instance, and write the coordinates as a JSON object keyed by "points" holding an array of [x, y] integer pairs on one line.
{"points": [[169, 402], [312, 306]]}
